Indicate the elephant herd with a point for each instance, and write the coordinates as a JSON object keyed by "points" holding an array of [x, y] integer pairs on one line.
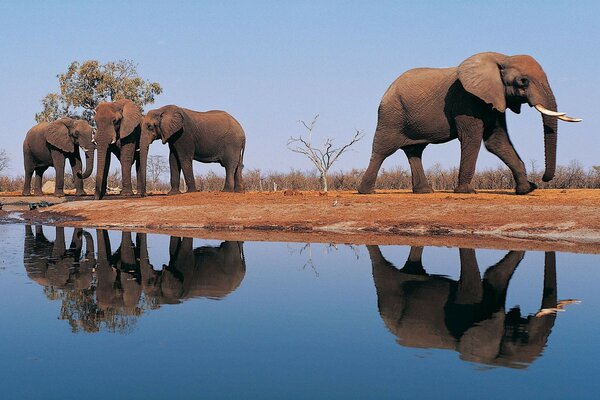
{"points": [[422, 310], [423, 106], [122, 130]]}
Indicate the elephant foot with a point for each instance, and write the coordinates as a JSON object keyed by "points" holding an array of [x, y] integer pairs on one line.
{"points": [[126, 192], [172, 192], [59, 193], [364, 189], [524, 189], [422, 190], [465, 188], [80, 192], [239, 190], [26, 194]]}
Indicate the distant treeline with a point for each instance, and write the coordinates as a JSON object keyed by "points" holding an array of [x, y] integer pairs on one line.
{"points": [[572, 176]]}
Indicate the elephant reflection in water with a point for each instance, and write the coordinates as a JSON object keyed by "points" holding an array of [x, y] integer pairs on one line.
{"points": [[65, 273], [207, 271], [52, 264], [108, 291], [468, 315]]}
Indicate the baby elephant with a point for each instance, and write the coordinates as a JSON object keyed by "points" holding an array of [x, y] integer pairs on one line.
{"points": [[48, 144], [208, 137]]}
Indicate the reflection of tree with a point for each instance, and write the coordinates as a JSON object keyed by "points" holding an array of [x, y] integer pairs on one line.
{"points": [[306, 250]]}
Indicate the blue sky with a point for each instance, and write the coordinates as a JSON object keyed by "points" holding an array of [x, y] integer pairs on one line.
{"points": [[271, 64]]}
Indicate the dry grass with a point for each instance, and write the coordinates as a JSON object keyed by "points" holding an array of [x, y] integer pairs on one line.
{"points": [[572, 176]]}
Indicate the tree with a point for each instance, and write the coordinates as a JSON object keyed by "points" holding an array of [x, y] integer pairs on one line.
{"points": [[323, 158], [156, 168], [4, 159], [85, 85]]}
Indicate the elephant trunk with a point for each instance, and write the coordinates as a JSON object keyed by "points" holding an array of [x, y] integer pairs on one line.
{"points": [[550, 135], [89, 164], [102, 171], [144, 148], [550, 122]]}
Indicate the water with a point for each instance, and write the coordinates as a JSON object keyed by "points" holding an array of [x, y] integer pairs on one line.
{"points": [[105, 314]]}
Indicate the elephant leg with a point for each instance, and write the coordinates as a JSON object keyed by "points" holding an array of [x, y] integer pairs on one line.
{"points": [[188, 175], [76, 168], [470, 289], [419, 180], [29, 170], [470, 133], [367, 184], [58, 159], [37, 180], [175, 172], [126, 157], [229, 180], [498, 143], [238, 181], [497, 277], [138, 175], [414, 263], [128, 258]]}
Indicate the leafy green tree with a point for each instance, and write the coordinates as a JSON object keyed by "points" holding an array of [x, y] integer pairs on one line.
{"points": [[86, 84]]}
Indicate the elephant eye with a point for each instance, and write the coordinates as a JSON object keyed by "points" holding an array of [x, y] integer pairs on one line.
{"points": [[522, 82], [150, 127]]}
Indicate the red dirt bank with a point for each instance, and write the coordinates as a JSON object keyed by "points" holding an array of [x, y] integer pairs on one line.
{"points": [[567, 220]]}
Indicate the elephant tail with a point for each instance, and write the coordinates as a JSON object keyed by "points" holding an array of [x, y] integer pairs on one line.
{"points": [[241, 161]]}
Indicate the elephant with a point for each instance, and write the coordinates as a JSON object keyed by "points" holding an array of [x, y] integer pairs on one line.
{"points": [[468, 315], [118, 133], [49, 144], [468, 102], [209, 137], [207, 271]]}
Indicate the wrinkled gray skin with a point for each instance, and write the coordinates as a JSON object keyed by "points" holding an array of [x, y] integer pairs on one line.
{"points": [[118, 133], [208, 137], [49, 144], [468, 102], [468, 315]]}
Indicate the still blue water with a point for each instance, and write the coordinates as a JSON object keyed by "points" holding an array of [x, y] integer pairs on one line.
{"points": [[105, 314]]}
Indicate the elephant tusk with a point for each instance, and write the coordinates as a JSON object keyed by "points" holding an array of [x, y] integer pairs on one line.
{"points": [[545, 111], [569, 119], [84, 149]]}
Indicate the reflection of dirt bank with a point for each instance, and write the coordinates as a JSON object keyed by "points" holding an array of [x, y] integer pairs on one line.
{"points": [[547, 219]]}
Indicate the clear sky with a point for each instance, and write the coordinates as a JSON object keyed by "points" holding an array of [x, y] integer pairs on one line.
{"points": [[272, 63]]}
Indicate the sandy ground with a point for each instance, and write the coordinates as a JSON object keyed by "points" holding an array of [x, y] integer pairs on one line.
{"points": [[565, 220]]}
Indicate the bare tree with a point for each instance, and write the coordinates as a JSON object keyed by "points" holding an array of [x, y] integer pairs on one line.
{"points": [[156, 168], [4, 159], [322, 158]]}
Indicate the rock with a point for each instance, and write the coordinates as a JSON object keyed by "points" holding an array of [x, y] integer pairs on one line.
{"points": [[48, 187]]}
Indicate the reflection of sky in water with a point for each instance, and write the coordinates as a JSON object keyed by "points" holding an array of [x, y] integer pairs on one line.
{"points": [[303, 322]]}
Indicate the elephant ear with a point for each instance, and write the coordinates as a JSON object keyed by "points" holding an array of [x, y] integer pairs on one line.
{"points": [[58, 135], [131, 117], [480, 75], [171, 122]]}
